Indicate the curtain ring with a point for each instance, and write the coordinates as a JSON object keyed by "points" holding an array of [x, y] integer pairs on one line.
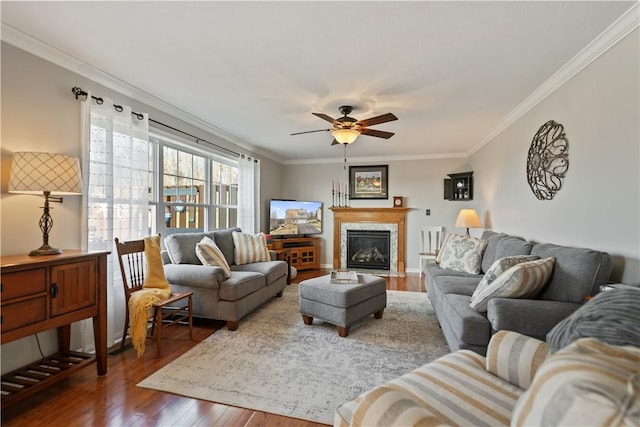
{"points": [[99, 101], [78, 92], [118, 108], [139, 116]]}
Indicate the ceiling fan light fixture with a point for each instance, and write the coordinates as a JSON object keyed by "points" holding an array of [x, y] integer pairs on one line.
{"points": [[345, 136]]}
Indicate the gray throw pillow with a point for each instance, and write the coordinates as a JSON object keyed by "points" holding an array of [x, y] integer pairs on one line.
{"points": [[611, 316]]}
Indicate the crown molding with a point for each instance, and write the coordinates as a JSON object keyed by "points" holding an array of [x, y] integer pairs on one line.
{"points": [[617, 31], [370, 159], [56, 56], [624, 25]]}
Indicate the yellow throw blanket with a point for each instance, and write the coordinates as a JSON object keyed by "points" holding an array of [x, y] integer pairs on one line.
{"points": [[154, 289]]}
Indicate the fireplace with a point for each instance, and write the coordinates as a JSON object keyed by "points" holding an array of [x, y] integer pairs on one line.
{"points": [[369, 249], [391, 220]]}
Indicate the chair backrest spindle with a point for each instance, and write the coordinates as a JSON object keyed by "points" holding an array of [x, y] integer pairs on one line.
{"points": [[132, 264], [431, 239]]}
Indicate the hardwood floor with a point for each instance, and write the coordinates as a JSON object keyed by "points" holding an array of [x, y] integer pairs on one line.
{"points": [[85, 399]]}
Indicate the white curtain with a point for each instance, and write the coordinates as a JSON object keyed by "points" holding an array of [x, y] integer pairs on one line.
{"points": [[248, 194], [116, 194]]}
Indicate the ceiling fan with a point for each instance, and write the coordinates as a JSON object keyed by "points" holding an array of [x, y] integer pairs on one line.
{"points": [[346, 129]]}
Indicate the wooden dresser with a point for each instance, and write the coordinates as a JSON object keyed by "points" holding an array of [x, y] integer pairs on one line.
{"points": [[46, 292]]}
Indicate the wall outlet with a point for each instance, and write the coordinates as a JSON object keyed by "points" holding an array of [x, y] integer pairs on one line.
{"points": [[428, 212]]}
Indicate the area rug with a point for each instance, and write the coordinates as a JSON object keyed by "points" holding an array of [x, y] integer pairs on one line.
{"points": [[275, 363]]}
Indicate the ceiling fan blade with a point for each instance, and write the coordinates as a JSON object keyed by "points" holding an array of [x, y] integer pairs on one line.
{"points": [[377, 133], [311, 131], [325, 117], [377, 120]]}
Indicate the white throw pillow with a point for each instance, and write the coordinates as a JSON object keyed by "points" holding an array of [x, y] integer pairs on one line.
{"points": [[497, 268], [249, 248], [210, 254], [464, 254], [524, 280]]}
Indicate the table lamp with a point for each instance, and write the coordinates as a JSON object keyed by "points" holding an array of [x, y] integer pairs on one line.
{"points": [[53, 175], [468, 218]]}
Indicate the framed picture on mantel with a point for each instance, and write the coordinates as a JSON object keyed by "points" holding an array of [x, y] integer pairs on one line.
{"points": [[368, 182]]}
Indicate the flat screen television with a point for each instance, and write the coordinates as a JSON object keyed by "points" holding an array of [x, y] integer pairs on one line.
{"points": [[294, 218]]}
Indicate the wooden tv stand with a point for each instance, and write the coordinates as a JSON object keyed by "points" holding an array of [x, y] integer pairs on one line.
{"points": [[305, 251]]}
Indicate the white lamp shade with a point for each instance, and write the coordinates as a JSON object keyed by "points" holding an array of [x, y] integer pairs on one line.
{"points": [[345, 136], [468, 218], [34, 173]]}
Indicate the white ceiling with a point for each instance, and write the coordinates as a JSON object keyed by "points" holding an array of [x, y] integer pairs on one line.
{"points": [[451, 71]]}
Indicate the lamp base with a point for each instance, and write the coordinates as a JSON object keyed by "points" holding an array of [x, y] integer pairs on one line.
{"points": [[45, 250]]}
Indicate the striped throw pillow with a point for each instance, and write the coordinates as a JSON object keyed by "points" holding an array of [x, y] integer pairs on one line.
{"points": [[515, 357], [210, 254], [588, 383], [500, 266], [249, 248], [524, 280]]}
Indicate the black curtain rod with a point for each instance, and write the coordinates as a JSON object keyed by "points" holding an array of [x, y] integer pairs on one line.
{"points": [[79, 92]]}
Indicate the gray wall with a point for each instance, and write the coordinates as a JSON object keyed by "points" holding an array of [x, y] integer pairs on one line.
{"points": [[420, 182], [39, 113], [599, 204]]}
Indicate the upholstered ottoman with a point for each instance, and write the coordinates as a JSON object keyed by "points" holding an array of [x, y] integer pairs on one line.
{"points": [[342, 304]]}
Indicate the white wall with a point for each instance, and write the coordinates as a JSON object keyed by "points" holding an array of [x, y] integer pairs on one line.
{"points": [[39, 113], [599, 204], [419, 181]]}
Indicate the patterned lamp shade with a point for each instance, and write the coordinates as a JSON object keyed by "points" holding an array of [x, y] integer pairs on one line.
{"points": [[34, 173]]}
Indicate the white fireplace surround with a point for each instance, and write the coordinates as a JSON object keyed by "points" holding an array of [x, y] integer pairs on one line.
{"points": [[366, 226]]}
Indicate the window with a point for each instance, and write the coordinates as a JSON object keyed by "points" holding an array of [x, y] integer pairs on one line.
{"points": [[198, 190], [224, 182]]}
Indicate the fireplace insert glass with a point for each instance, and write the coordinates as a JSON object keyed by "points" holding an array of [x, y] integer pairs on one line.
{"points": [[369, 249]]}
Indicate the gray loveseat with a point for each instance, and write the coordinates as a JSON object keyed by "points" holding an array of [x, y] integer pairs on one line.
{"points": [[249, 286], [577, 274]]}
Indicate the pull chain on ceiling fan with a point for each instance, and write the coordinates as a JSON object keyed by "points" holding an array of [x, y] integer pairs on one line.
{"points": [[345, 156]]}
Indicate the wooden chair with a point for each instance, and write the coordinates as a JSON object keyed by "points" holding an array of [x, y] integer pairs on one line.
{"points": [[176, 309], [431, 239]]}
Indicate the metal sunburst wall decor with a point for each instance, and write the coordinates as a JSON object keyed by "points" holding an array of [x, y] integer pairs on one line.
{"points": [[548, 160]]}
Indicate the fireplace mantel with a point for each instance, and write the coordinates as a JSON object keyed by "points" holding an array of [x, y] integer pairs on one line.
{"points": [[373, 215]]}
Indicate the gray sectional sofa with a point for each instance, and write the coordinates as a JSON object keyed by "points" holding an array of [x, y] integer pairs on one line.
{"points": [[249, 286], [577, 274]]}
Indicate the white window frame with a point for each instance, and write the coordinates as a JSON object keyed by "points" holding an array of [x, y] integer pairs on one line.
{"points": [[160, 139]]}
